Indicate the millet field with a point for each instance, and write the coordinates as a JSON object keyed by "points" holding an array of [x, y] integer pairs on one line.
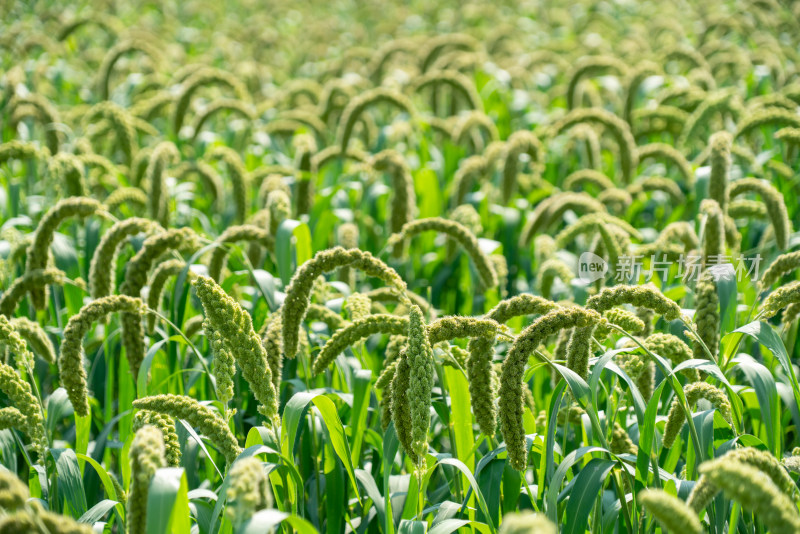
{"points": [[372, 267]]}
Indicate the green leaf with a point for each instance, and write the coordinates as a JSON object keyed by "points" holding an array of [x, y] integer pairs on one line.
{"points": [[287, 264], [767, 394], [99, 511], [265, 521], [551, 498], [766, 335], [293, 413], [373, 493], [725, 278], [168, 503], [69, 482], [473, 484], [362, 386], [446, 526], [108, 485], [460, 413], [587, 486], [412, 527], [144, 369], [390, 447]]}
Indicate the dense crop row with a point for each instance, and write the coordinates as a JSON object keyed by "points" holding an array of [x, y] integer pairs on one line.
{"points": [[372, 268]]}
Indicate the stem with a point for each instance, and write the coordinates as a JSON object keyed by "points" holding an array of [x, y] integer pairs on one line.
{"points": [[188, 342], [699, 456], [418, 474], [739, 341]]}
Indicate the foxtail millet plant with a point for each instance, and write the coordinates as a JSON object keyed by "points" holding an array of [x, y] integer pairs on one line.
{"points": [[780, 266], [713, 232], [103, 267], [356, 331], [235, 328], [704, 490], [672, 513], [199, 416], [121, 123], [136, 272], [767, 116], [657, 183], [156, 284], [480, 373], [468, 127], [779, 299], [13, 492], [694, 392], [721, 101], [578, 180], [404, 202], [115, 53], [458, 83], [39, 250], [272, 340], [36, 338], [456, 326], [674, 349], [548, 271], [720, 157], [511, 404], [163, 155], [70, 361], [359, 105], [36, 106], [13, 342], [67, 173], [239, 179], [617, 127], [224, 364], [460, 234], [305, 177], [470, 170], [591, 66], [20, 395], [279, 206], [742, 208], [202, 77], [579, 349], [671, 154], [520, 142], [774, 201], [551, 209], [634, 79], [209, 177], [334, 321], [248, 490], [347, 237], [526, 523], [401, 406], [233, 234], [165, 425], [298, 293], [133, 198], [147, 456], [232, 105], [357, 305], [756, 492], [622, 318], [38, 279], [706, 315], [421, 379]]}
